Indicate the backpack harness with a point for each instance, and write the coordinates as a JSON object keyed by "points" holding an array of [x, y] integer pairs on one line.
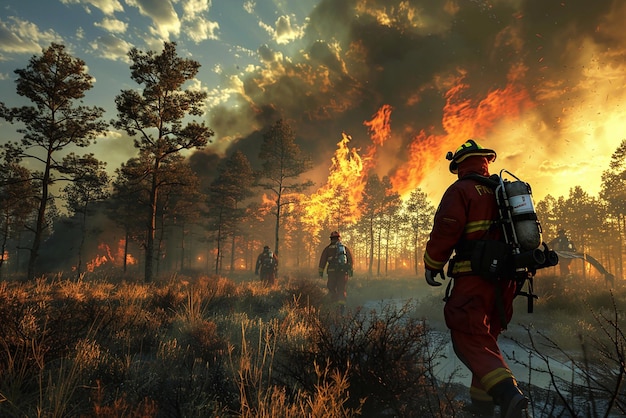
{"points": [[521, 253], [268, 261]]}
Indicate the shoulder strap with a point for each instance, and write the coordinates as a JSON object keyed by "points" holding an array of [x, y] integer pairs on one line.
{"points": [[492, 181]]}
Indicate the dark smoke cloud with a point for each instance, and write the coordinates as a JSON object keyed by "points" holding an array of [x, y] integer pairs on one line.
{"points": [[357, 55], [205, 164]]}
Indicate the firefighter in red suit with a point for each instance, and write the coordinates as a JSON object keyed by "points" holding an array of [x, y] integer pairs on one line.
{"points": [[477, 309], [267, 264], [337, 259]]}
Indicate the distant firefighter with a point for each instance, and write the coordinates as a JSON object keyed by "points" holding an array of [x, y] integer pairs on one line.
{"points": [[337, 259], [267, 265], [567, 252], [563, 243]]}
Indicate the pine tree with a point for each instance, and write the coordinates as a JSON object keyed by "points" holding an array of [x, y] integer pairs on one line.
{"points": [[418, 214], [232, 185], [154, 118], [89, 184], [283, 163], [17, 204], [55, 82]]}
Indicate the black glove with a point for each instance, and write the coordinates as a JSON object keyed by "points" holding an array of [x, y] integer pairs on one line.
{"points": [[430, 277]]}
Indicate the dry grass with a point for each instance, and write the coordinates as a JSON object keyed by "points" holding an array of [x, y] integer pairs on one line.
{"points": [[219, 347]]}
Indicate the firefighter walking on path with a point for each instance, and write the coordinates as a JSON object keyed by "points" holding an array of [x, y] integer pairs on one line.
{"points": [[563, 243], [267, 265], [337, 259], [477, 308]]}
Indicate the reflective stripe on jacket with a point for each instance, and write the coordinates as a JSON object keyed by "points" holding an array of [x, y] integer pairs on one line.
{"points": [[467, 211]]}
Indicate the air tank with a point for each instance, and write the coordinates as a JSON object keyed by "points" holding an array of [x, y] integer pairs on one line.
{"points": [[523, 215]]}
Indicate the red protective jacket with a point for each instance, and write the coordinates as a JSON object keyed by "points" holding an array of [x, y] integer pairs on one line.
{"points": [[467, 211]]}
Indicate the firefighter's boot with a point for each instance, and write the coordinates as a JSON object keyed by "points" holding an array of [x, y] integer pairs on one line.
{"points": [[513, 403]]}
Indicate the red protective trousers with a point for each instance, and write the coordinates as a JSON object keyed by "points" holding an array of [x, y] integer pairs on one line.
{"points": [[336, 284], [472, 314]]}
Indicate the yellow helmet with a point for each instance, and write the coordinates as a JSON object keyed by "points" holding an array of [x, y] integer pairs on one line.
{"points": [[468, 149]]}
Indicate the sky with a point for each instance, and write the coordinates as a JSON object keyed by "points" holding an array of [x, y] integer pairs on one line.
{"points": [[398, 83]]}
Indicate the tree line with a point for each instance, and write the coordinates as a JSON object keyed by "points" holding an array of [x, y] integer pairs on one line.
{"points": [[162, 208]]}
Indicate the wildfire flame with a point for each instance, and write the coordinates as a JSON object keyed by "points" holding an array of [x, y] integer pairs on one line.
{"points": [[463, 118], [106, 256], [97, 261], [335, 204], [379, 128]]}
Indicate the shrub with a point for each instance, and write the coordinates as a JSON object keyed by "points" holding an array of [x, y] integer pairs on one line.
{"points": [[387, 356]]}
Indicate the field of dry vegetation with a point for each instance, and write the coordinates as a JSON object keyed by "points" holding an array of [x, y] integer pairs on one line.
{"points": [[229, 347]]}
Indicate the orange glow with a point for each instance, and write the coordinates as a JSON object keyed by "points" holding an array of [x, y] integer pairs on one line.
{"points": [[336, 202], [268, 204], [379, 128], [105, 255], [463, 118], [380, 125], [130, 260], [97, 261]]}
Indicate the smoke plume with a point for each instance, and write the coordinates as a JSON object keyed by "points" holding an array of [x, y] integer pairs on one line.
{"points": [[539, 81]]}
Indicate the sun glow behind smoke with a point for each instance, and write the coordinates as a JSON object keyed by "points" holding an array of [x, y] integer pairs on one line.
{"points": [[575, 150], [574, 146]]}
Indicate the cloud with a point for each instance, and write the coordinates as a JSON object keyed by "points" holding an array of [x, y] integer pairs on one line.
{"points": [[240, 51], [197, 27], [194, 7], [164, 18], [249, 6], [285, 32], [218, 96], [23, 37], [268, 55], [112, 25], [108, 7], [200, 29], [111, 47]]}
